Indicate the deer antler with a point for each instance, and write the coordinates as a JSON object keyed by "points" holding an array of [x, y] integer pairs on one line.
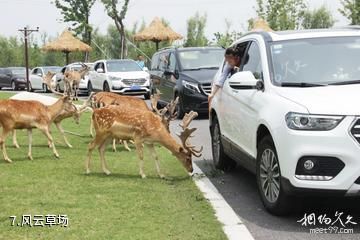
{"points": [[186, 134]]}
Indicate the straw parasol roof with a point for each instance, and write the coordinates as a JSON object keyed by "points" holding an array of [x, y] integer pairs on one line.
{"points": [[67, 43], [261, 25], [157, 32]]}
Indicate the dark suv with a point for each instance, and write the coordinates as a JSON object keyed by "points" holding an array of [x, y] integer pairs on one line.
{"points": [[187, 73]]}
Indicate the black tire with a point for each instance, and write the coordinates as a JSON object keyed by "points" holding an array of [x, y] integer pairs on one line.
{"points": [[179, 109], [89, 88], [106, 87], [220, 159], [147, 96], [13, 86], [45, 88], [267, 165], [30, 87]]}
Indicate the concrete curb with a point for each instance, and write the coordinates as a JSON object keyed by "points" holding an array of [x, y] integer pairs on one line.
{"points": [[233, 227]]}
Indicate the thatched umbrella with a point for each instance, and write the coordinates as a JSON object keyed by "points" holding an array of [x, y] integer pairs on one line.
{"points": [[67, 43], [261, 25], [157, 32]]}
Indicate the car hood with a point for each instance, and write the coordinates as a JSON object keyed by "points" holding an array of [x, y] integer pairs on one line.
{"points": [[334, 100], [129, 75], [19, 76], [201, 76]]}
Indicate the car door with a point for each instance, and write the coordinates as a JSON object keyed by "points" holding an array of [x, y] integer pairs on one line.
{"points": [[35, 78], [155, 73], [247, 102], [164, 86], [227, 104], [2, 77], [169, 77], [96, 78], [7, 78]]}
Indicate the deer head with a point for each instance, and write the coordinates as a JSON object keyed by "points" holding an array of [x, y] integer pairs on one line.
{"points": [[186, 152], [47, 79]]}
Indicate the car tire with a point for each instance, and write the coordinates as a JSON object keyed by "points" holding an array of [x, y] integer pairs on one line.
{"points": [[13, 86], [106, 87], [147, 96], [89, 88], [220, 159], [179, 109], [268, 178]]}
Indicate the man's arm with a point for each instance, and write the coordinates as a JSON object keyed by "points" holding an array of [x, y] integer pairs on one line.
{"points": [[219, 82]]}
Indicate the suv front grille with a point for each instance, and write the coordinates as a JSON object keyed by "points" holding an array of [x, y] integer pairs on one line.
{"points": [[355, 130], [131, 82], [206, 88]]}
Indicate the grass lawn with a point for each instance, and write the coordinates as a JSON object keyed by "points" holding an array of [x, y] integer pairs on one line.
{"points": [[119, 206]]}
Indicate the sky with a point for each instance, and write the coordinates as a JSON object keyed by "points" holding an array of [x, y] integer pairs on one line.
{"points": [[16, 14]]}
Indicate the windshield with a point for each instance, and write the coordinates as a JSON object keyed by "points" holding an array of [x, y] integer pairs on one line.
{"points": [[198, 59], [18, 71], [51, 69], [316, 62], [122, 66]]}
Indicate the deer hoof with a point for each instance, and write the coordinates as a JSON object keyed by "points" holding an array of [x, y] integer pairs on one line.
{"points": [[30, 157], [143, 176], [16, 145], [70, 146], [56, 155], [162, 176], [107, 172], [8, 160], [87, 171]]}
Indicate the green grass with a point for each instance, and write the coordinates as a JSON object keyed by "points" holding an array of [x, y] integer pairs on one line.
{"points": [[119, 206]]}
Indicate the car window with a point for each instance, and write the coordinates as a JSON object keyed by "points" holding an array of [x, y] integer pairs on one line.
{"points": [[1, 71], [34, 71], [172, 62], [164, 61], [252, 61], [155, 62]]}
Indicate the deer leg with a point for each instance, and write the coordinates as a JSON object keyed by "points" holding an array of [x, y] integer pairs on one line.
{"points": [[91, 127], [157, 162], [4, 134], [114, 144], [46, 132], [30, 143], [140, 152], [102, 148], [15, 143], [126, 145], [92, 145], [61, 130]]}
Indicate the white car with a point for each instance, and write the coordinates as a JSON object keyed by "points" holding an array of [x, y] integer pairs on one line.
{"points": [[36, 81], [120, 76], [291, 115], [84, 87]]}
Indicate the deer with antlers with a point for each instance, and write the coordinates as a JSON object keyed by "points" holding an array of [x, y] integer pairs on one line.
{"points": [[72, 80], [27, 114], [143, 127]]}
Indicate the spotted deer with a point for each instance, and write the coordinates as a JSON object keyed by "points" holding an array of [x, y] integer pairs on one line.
{"points": [[72, 80], [144, 128], [27, 114]]}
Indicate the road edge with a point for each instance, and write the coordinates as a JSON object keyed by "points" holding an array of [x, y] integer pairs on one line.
{"points": [[233, 227]]}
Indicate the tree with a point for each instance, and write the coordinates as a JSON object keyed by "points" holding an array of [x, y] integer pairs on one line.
{"points": [[225, 39], [281, 14], [351, 10], [77, 12], [318, 18], [196, 31], [118, 17]]}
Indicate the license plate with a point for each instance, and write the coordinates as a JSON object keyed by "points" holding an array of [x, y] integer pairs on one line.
{"points": [[135, 87]]}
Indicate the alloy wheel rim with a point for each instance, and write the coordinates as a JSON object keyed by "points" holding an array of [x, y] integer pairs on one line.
{"points": [[270, 175]]}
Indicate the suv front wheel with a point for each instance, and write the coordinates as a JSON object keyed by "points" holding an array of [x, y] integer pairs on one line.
{"points": [[268, 177], [220, 159]]}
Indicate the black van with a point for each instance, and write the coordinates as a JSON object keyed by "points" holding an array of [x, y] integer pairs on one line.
{"points": [[187, 73]]}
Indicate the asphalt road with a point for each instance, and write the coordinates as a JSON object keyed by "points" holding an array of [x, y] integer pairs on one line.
{"points": [[239, 190]]}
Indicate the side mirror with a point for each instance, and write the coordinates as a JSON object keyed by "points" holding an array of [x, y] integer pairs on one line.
{"points": [[245, 81], [175, 73], [145, 69], [39, 74], [100, 70]]}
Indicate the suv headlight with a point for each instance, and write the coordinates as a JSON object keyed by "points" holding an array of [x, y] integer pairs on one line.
{"points": [[112, 78], [303, 121], [191, 86]]}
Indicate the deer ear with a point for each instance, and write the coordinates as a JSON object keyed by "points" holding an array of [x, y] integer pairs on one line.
{"points": [[181, 149]]}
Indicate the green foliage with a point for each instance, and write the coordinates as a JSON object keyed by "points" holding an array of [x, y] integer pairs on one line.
{"points": [[318, 18], [226, 38], [196, 31], [77, 12], [351, 10], [281, 14]]}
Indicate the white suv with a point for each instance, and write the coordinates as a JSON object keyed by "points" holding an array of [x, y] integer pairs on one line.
{"points": [[121, 76], [291, 115]]}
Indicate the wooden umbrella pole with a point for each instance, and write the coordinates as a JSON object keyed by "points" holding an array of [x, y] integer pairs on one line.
{"points": [[67, 57]]}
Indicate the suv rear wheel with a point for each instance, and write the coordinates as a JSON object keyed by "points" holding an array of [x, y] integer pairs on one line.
{"points": [[268, 177], [106, 87], [220, 159]]}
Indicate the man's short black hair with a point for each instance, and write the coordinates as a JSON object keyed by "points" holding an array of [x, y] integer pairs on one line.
{"points": [[233, 51]]}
